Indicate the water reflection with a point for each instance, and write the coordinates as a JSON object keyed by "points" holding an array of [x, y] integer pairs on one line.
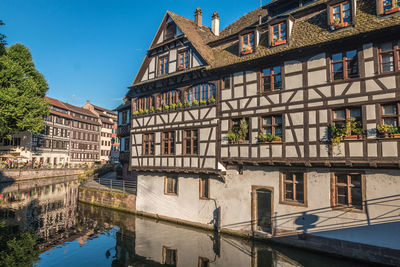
{"points": [[73, 234]]}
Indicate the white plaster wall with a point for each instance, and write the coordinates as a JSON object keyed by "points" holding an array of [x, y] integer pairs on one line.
{"points": [[234, 198]]}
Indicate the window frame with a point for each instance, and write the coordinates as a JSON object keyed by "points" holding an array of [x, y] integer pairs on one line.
{"points": [[170, 31], [192, 142], [171, 143], [283, 182], [204, 182], [272, 75], [241, 46], [381, 7], [334, 191], [191, 93], [148, 145], [176, 192], [163, 61], [344, 61], [396, 116], [224, 83], [202, 261], [164, 255], [341, 4], [347, 116], [186, 60], [395, 51], [168, 98], [282, 41], [273, 124]]}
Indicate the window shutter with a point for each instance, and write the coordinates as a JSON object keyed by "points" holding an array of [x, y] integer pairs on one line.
{"points": [[329, 15], [379, 7]]}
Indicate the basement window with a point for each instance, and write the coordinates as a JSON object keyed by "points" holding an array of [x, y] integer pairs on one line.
{"points": [[204, 188], [293, 188], [169, 256], [347, 190], [171, 185]]}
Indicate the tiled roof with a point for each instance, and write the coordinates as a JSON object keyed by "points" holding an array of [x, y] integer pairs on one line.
{"points": [[198, 36], [104, 109], [55, 102], [317, 32], [60, 114]]}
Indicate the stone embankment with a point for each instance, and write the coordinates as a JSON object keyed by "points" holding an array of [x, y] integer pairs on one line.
{"points": [[13, 175]]}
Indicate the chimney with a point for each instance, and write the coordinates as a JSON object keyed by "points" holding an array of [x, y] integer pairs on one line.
{"points": [[198, 17], [215, 23]]}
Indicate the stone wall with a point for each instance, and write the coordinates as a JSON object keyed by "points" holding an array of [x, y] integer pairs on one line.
{"points": [[20, 175], [108, 199]]}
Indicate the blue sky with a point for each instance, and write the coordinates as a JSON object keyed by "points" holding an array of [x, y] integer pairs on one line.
{"points": [[92, 49]]}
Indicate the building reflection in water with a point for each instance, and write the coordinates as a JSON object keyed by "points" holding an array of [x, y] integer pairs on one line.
{"points": [[48, 207], [146, 242]]}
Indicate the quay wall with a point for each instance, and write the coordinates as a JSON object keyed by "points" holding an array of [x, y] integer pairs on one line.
{"points": [[109, 199], [21, 175]]}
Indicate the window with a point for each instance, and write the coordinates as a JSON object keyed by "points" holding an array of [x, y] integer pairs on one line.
{"points": [[390, 114], [203, 262], [293, 188], [168, 98], [190, 142], [126, 145], [226, 82], [279, 34], [168, 143], [272, 79], [171, 185], [143, 103], [169, 256], [204, 188], [247, 44], [344, 65], [389, 57], [163, 66], [341, 115], [390, 6], [347, 190], [341, 15], [272, 125], [148, 144], [201, 92], [235, 126], [183, 60], [170, 31]]}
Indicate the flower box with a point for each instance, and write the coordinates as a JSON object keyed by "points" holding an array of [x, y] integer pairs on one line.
{"points": [[239, 142], [393, 10], [279, 42], [352, 137], [181, 67], [340, 25], [247, 52]]}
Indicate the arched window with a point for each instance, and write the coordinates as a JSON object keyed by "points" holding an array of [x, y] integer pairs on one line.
{"points": [[200, 92], [168, 98]]}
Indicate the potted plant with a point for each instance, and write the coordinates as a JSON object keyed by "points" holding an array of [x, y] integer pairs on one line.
{"points": [[159, 109], [179, 105], [203, 102], [384, 130], [195, 102], [238, 133], [248, 49], [172, 106], [152, 109], [336, 133], [145, 111], [394, 9], [211, 100], [352, 129], [166, 107], [136, 113], [188, 104], [264, 138]]}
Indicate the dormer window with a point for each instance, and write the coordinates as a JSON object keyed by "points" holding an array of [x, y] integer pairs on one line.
{"points": [[247, 43], [389, 6], [340, 15], [279, 34]]}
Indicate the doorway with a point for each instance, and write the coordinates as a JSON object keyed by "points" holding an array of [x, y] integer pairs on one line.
{"points": [[262, 209]]}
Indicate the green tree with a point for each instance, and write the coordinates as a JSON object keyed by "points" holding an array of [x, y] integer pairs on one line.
{"points": [[22, 91], [2, 40], [17, 249]]}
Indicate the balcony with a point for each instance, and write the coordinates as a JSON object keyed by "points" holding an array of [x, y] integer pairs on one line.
{"points": [[123, 130]]}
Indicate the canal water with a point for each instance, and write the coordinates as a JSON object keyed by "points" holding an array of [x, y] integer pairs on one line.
{"points": [[74, 234]]}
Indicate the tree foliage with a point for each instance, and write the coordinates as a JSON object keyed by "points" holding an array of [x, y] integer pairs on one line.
{"points": [[2, 40], [22, 91], [17, 249]]}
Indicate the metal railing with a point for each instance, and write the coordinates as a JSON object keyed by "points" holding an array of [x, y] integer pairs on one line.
{"points": [[123, 185]]}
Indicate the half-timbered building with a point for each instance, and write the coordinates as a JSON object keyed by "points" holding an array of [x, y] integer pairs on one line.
{"points": [[282, 125]]}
